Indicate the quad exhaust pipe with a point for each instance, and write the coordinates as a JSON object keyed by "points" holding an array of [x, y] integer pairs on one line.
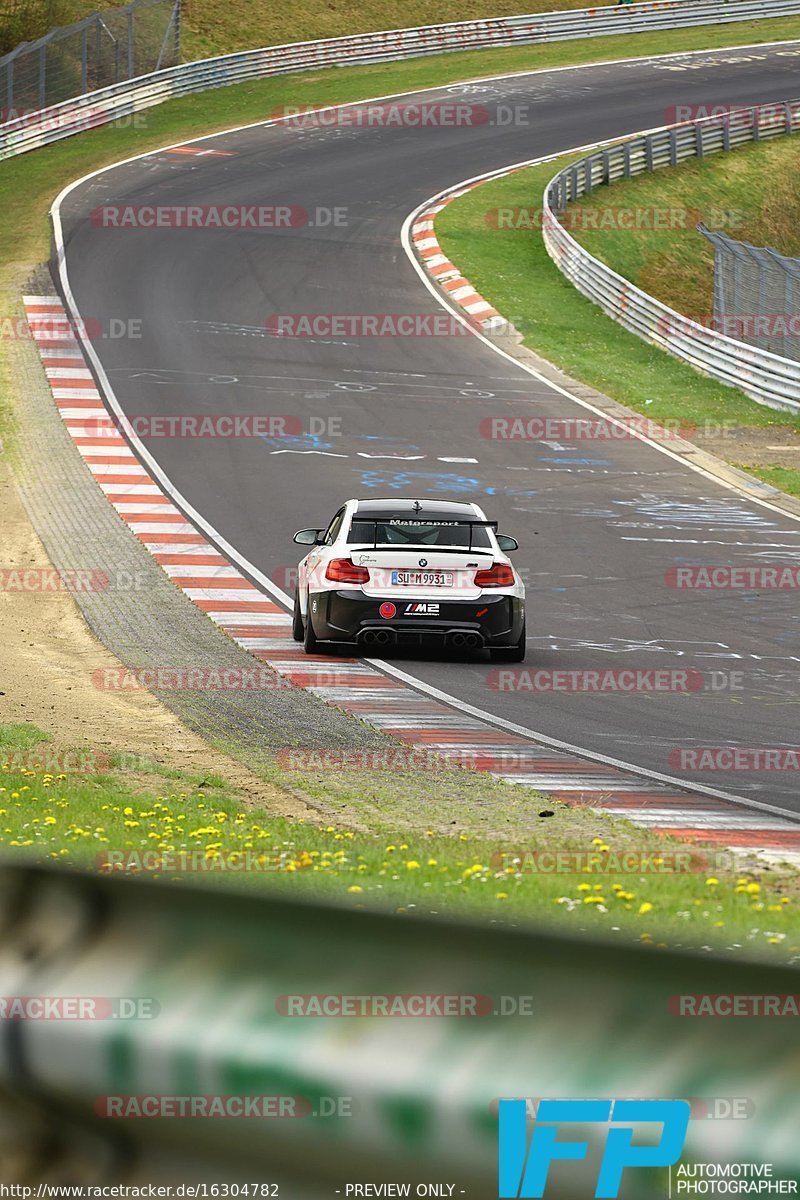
{"points": [[378, 637], [465, 641], [458, 639]]}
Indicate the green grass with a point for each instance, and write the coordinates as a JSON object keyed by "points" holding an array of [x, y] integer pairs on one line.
{"points": [[750, 193], [511, 268], [111, 822], [212, 28], [786, 479]]}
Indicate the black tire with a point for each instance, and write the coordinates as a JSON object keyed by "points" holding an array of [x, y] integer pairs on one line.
{"points": [[297, 620], [310, 643], [511, 653]]}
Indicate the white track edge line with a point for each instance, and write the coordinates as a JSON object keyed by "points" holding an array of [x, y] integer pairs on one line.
{"points": [[278, 593]]}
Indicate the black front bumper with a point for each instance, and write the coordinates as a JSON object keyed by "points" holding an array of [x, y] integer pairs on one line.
{"points": [[350, 616]]}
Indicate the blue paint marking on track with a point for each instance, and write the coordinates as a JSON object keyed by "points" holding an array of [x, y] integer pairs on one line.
{"points": [[580, 462], [302, 441]]}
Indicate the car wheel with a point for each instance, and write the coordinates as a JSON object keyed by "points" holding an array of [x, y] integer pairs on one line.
{"points": [[297, 620], [511, 653], [310, 643]]}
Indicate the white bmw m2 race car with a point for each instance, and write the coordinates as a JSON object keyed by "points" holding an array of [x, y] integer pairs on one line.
{"points": [[410, 573]]}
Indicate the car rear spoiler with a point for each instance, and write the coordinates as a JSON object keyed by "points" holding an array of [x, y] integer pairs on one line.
{"points": [[375, 522]]}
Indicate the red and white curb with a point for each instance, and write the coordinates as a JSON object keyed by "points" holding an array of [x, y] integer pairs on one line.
{"points": [[263, 628], [446, 274]]}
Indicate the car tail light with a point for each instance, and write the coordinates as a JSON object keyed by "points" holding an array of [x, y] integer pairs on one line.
{"points": [[498, 575], [344, 570]]}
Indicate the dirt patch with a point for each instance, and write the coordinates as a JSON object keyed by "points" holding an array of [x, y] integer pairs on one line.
{"points": [[753, 446], [47, 656]]}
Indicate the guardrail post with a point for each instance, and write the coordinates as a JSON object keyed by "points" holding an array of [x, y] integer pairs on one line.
{"points": [[588, 167], [726, 134], [130, 43], [178, 19], [698, 138], [648, 152], [673, 147], [43, 76], [756, 126], [84, 59], [626, 160], [606, 160]]}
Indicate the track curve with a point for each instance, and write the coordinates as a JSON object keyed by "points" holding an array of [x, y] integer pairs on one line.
{"points": [[599, 529]]}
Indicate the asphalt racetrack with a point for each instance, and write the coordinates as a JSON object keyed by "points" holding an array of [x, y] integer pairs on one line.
{"points": [[601, 523]]}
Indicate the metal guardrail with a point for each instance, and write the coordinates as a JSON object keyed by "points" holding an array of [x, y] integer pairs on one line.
{"points": [[112, 103], [219, 971], [765, 377]]}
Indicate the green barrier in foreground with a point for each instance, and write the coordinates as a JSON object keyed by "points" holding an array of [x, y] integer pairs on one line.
{"points": [[330, 1047]]}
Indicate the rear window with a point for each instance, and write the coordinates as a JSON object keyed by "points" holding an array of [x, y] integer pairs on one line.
{"points": [[417, 531]]}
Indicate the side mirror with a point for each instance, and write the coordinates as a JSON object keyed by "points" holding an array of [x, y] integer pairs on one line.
{"points": [[308, 537], [507, 543]]}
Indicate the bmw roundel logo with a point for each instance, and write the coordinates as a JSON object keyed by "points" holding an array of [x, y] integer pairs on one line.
{"points": [[423, 562], [388, 610]]}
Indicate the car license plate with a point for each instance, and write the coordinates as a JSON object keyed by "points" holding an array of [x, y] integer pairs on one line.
{"points": [[423, 578]]}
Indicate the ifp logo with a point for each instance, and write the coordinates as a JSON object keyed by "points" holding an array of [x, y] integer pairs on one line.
{"points": [[524, 1165]]}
